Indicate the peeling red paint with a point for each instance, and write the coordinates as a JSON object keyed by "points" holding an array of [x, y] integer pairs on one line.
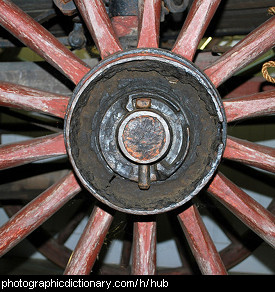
{"points": [[20, 153], [250, 153], [37, 211], [144, 248], [22, 97], [258, 104], [246, 51], [100, 26], [200, 242], [149, 23], [250, 212], [105, 34], [90, 243], [125, 25], [36, 37]]}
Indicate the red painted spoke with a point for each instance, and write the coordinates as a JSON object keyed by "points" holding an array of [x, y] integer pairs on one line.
{"points": [[196, 23], [200, 242], [149, 22], [251, 47], [144, 248], [16, 154], [37, 212], [36, 37], [90, 243], [22, 97], [250, 153], [259, 104], [251, 213], [100, 26]]}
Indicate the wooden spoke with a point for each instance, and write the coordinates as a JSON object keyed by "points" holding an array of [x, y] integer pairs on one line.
{"points": [[196, 23], [251, 47], [149, 23], [36, 37], [258, 104], [251, 213], [90, 243], [16, 154], [100, 26], [44, 242], [144, 248], [250, 153], [126, 254], [22, 97], [200, 242], [37, 212]]}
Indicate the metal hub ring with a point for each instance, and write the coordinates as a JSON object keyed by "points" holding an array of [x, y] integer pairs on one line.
{"points": [[148, 91]]}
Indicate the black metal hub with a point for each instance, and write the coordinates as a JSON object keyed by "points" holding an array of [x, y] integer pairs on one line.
{"points": [[145, 131]]}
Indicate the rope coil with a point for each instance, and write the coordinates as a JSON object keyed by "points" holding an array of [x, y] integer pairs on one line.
{"points": [[271, 10], [265, 71]]}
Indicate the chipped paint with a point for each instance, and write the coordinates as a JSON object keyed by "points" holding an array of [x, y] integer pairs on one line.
{"points": [[37, 211]]}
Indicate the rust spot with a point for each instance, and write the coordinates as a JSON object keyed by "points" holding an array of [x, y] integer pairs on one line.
{"points": [[143, 103]]}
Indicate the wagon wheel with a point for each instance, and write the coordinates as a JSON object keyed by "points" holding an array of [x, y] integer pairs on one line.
{"points": [[145, 131]]}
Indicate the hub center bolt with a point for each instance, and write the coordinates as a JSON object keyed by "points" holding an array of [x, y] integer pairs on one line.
{"points": [[144, 138]]}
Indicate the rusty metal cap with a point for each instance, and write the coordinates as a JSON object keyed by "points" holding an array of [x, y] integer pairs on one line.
{"points": [[144, 136]]}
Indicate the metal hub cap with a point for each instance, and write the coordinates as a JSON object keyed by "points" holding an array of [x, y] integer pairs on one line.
{"points": [[145, 131], [144, 137]]}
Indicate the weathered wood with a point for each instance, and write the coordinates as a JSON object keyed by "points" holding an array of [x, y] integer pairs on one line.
{"points": [[36, 37], [200, 242], [194, 27], [90, 243], [100, 26], [144, 248], [149, 23], [250, 153], [125, 25], [37, 212], [255, 105], [30, 99], [126, 254], [250, 212], [246, 51], [20, 153]]}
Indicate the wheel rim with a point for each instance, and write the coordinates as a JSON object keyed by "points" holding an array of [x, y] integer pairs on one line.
{"points": [[246, 209]]}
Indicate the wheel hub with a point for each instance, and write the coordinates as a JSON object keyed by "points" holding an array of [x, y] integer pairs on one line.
{"points": [[144, 137], [145, 131]]}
